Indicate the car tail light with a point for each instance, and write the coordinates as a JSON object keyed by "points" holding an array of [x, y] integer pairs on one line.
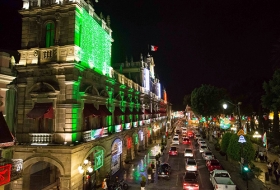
{"points": [[196, 185], [185, 184]]}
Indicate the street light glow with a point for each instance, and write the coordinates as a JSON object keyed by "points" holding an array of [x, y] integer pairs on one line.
{"points": [[225, 106], [256, 135]]}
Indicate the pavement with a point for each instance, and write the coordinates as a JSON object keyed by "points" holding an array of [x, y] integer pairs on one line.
{"points": [[133, 171], [233, 167]]}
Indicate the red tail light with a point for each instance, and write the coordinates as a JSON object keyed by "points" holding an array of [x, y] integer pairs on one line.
{"points": [[185, 184], [196, 185]]}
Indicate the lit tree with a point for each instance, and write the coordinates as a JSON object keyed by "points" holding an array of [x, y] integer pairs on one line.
{"points": [[271, 99]]}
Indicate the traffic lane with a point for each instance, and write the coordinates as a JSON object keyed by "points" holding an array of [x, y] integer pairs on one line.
{"points": [[203, 173]]}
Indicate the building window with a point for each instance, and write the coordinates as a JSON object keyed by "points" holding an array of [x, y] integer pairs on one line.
{"points": [[50, 30]]}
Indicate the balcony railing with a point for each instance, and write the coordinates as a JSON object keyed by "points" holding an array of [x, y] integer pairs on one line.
{"points": [[95, 134], [41, 138]]}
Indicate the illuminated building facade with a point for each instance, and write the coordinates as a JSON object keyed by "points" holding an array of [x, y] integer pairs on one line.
{"points": [[71, 104]]}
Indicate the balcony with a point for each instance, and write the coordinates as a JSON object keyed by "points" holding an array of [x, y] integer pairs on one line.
{"points": [[40, 138]]}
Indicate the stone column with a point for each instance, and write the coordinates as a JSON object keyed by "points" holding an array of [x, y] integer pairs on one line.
{"points": [[57, 28], [65, 183]]}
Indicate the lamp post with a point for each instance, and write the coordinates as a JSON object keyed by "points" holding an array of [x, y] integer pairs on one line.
{"points": [[85, 168], [238, 110]]}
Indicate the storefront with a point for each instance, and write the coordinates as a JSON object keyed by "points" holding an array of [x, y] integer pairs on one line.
{"points": [[116, 156]]}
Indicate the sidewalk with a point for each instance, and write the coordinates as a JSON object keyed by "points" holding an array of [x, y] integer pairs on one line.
{"points": [[257, 183]]}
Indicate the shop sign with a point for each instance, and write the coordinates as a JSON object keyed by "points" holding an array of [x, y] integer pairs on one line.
{"points": [[5, 174], [135, 124], [98, 159]]}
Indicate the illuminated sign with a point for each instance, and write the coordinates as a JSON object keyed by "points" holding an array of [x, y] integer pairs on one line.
{"points": [[118, 128], [146, 79], [135, 139], [97, 133], [117, 147], [141, 136], [129, 142], [135, 124], [158, 90], [5, 174], [127, 125], [98, 159]]}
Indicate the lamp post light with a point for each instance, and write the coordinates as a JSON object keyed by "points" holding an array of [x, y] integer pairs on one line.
{"points": [[238, 110], [256, 135], [85, 168]]}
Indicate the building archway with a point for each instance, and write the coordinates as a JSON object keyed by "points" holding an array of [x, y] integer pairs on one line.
{"points": [[41, 173]]}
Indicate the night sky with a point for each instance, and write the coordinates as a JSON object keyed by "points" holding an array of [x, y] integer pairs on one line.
{"points": [[233, 44]]}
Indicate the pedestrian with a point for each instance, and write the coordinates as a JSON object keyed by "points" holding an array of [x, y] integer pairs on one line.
{"points": [[275, 165], [104, 184], [256, 155], [143, 182], [276, 173], [269, 168]]}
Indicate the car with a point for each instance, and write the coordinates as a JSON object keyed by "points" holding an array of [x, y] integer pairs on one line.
{"points": [[186, 141], [213, 165], [207, 155], [176, 135], [203, 148], [190, 134], [188, 152], [201, 143], [164, 171], [184, 130], [173, 151], [175, 140], [197, 136], [201, 140], [178, 131], [191, 165], [190, 181], [184, 136]]}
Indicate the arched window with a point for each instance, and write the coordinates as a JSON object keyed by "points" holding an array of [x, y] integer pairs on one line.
{"points": [[50, 29]]}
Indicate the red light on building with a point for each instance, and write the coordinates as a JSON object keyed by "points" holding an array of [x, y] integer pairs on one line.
{"points": [[129, 142], [5, 174]]}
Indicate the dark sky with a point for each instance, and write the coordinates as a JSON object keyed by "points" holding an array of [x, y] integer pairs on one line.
{"points": [[225, 43]]}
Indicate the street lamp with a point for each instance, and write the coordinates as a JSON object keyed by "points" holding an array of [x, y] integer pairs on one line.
{"points": [[256, 135], [238, 110], [85, 168]]}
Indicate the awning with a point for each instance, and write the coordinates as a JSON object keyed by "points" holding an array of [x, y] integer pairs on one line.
{"points": [[89, 110], [147, 111], [104, 110], [6, 137], [127, 111], [41, 110], [118, 111]]}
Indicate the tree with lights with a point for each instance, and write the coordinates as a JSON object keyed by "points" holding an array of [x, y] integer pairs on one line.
{"points": [[271, 99], [206, 101]]}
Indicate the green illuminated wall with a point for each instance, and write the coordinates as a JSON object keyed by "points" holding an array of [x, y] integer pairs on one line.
{"points": [[94, 41]]}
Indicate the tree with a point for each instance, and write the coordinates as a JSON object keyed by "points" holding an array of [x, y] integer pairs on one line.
{"points": [[235, 149], [187, 100], [271, 99], [225, 141], [206, 100]]}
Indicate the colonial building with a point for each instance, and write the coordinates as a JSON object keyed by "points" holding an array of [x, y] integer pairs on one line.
{"points": [[72, 109]]}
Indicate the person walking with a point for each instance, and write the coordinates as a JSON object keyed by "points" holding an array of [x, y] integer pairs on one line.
{"points": [[275, 165], [269, 168], [104, 184], [276, 173]]}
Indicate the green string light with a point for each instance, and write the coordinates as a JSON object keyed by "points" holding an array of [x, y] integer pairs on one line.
{"points": [[94, 41]]}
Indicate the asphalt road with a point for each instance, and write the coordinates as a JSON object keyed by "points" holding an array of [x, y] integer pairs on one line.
{"points": [[177, 164]]}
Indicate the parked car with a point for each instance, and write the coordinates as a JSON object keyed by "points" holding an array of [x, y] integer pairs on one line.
{"points": [[184, 130], [173, 151], [186, 141], [203, 148], [178, 131], [191, 165], [208, 155], [190, 181], [164, 171], [199, 141], [213, 165], [188, 152], [175, 140]]}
